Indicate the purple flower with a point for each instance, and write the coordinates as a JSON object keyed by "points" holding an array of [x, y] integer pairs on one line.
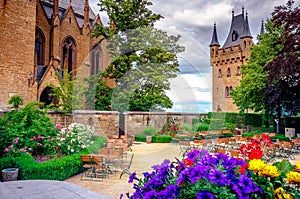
{"points": [[246, 184], [169, 192], [216, 176], [198, 172], [205, 195], [162, 165], [193, 155], [132, 177], [151, 194]]}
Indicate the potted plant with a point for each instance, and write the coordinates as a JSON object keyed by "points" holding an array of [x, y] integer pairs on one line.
{"points": [[10, 174], [149, 132]]}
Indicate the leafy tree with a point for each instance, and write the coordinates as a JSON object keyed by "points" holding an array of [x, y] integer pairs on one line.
{"points": [[283, 90], [98, 93], [16, 101], [143, 58], [250, 93], [271, 77], [69, 92], [125, 15]]}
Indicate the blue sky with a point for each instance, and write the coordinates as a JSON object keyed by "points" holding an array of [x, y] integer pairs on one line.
{"points": [[193, 20]]}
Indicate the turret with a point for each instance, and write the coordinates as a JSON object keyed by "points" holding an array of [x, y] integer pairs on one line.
{"points": [[86, 13], [214, 44]]}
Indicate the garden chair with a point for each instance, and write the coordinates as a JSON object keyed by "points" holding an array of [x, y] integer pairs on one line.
{"points": [[88, 165], [288, 150], [101, 170], [126, 168]]}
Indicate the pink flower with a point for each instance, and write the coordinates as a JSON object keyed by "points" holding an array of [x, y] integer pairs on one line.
{"points": [[34, 138], [48, 137], [16, 140], [40, 137], [30, 149], [6, 150], [22, 150], [11, 146]]}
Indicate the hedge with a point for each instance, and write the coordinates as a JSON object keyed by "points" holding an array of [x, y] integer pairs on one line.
{"points": [[155, 138], [55, 169], [253, 119]]}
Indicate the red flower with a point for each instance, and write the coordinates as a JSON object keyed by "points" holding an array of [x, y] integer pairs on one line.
{"points": [[243, 168], [255, 154], [188, 162]]}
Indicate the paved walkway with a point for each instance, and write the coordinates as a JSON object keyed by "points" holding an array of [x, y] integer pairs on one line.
{"points": [[45, 189]]}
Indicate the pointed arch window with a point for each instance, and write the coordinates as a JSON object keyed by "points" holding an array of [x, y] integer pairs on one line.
{"points": [[220, 73], [39, 47], [238, 71], [226, 91], [230, 90], [96, 60], [69, 54], [228, 72]]}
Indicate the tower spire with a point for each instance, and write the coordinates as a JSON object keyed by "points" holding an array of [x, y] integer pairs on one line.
{"points": [[214, 39], [262, 29], [246, 32]]}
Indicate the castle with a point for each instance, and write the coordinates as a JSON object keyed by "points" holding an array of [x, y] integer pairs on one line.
{"points": [[41, 37], [226, 61]]}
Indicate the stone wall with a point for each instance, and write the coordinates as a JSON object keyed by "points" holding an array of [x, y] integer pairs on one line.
{"points": [[136, 121], [106, 123]]}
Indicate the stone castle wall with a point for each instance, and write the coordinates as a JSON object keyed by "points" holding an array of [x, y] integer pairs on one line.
{"points": [[17, 36]]}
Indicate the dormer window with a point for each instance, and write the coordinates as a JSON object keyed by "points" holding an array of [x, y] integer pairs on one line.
{"points": [[235, 35]]}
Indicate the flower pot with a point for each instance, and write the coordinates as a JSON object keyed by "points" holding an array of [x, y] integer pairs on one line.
{"points": [[10, 174], [148, 139]]}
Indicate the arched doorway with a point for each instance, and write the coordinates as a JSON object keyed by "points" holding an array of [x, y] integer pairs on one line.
{"points": [[46, 97]]}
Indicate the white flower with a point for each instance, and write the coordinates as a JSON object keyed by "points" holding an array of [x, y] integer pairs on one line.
{"points": [[69, 147], [83, 146], [72, 150]]}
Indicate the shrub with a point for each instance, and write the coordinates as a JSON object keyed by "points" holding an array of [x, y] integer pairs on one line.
{"points": [[202, 126], [98, 142], [19, 127], [140, 138], [150, 130], [162, 139], [187, 128]]}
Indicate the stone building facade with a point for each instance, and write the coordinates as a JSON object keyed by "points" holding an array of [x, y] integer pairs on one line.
{"points": [[226, 62], [41, 37]]}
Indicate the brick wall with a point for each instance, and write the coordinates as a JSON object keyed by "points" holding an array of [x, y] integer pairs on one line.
{"points": [[17, 35]]}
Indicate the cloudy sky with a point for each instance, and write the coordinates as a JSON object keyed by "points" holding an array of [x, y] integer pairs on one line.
{"points": [[193, 20]]}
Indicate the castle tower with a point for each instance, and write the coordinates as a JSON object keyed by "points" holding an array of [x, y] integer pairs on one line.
{"points": [[227, 60]]}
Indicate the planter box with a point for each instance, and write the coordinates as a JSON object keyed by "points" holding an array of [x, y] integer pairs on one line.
{"points": [[148, 139], [10, 174]]}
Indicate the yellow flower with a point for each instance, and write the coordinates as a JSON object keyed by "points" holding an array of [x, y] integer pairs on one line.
{"points": [[293, 177], [256, 165], [298, 165], [269, 170], [281, 192]]}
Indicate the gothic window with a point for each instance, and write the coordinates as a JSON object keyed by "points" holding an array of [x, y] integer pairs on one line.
{"points": [[230, 90], [96, 60], [39, 47], [212, 52], [238, 71], [220, 73], [234, 35], [226, 91], [228, 72], [245, 44], [69, 54]]}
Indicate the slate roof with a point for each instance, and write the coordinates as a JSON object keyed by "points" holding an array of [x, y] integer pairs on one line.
{"points": [[240, 25], [214, 39], [77, 5]]}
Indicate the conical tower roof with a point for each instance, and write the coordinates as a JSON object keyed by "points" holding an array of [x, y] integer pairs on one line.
{"points": [[214, 39], [246, 32]]}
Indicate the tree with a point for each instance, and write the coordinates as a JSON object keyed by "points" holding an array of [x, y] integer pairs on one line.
{"points": [[250, 93], [98, 93], [271, 77], [283, 90], [143, 58], [16, 101], [69, 92]]}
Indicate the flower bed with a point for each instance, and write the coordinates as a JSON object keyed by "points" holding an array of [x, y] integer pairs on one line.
{"points": [[202, 175]]}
